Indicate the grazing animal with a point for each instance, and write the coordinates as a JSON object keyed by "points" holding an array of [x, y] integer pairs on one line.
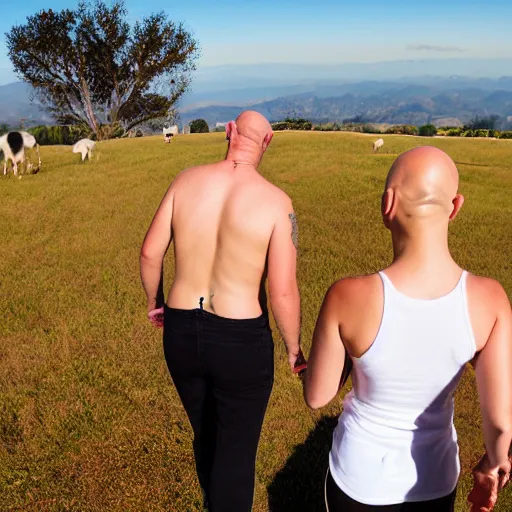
{"points": [[13, 145], [85, 147], [169, 132], [377, 145]]}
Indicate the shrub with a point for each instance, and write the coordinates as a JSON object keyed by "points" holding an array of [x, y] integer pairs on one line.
{"points": [[481, 133], [468, 133], [220, 129], [506, 135], [483, 123], [328, 127], [402, 129], [454, 132], [199, 126], [427, 130], [369, 128], [292, 124], [280, 126], [59, 135], [494, 133]]}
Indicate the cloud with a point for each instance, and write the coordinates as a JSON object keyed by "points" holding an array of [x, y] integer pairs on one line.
{"points": [[434, 48]]}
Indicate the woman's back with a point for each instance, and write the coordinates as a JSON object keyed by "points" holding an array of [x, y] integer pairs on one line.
{"points": [[395, 442], [397, 427]]}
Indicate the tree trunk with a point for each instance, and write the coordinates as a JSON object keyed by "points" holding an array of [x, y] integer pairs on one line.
{"points": [[89, 111]]}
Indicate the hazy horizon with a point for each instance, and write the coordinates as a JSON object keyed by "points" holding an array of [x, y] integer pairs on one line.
{"points": [[324, 33]]}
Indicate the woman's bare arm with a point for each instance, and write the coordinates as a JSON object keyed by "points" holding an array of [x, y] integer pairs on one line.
{"points": [[493, 368], [327, 356]]}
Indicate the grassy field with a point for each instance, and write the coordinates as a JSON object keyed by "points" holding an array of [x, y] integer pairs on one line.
{"points": [[89, 418]]}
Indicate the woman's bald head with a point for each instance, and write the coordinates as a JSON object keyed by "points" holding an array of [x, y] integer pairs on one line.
{"points": [[424, 165], [421, 183]]}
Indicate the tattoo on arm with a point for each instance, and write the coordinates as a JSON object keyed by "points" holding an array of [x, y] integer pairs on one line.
{"points": [[295, 230]]}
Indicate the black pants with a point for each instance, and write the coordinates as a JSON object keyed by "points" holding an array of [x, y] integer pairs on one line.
{"points": [[223, 370], [338, 501]]}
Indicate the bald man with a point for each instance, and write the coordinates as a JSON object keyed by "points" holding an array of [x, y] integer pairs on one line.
{"points": [[409, 331], [231, 228]]}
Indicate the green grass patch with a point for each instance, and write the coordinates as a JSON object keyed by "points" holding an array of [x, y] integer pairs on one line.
{"points": [[89, 418]]}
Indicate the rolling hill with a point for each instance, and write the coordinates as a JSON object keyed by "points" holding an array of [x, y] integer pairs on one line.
{"points": [[415, 100], [392, 103]]}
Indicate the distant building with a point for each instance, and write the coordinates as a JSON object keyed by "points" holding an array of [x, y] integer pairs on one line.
{"points": [[186, 129], [220, 125]]}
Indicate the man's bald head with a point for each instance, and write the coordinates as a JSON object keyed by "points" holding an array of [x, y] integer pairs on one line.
{"points": [[422, 183], [250, 129]]}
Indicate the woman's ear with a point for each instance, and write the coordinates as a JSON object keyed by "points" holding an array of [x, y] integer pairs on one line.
{"points": [[387, 206], [457, 205]]}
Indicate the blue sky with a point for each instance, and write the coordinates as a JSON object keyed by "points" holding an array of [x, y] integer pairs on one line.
{"points": [[318, 31]]}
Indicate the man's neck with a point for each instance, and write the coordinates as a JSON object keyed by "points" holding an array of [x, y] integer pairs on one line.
{"points": [[245, 158]]}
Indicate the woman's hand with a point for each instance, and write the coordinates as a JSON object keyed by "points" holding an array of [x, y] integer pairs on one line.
{"points": [[296, 360], [156, 317]]}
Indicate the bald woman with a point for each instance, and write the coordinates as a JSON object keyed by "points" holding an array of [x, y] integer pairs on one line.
{"points": [[409, 331], [231, 228]]}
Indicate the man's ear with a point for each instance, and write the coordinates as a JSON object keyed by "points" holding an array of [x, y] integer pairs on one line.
{"points": [[458, 201], [267, 140], [231, 130]]}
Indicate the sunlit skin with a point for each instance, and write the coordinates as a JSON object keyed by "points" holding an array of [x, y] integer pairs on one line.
{"points": [[419, 201], [231, 228]]}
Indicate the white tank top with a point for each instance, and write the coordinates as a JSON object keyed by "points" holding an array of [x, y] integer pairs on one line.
{"points": [[395, 441]]}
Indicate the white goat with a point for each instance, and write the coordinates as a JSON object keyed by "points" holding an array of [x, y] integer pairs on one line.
{"points": [[169, 132], [85, 147], [13, 145], [377, 145]]}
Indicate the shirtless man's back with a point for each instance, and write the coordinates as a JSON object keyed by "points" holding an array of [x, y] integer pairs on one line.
{"points": [[231, 228], [223, 219]]}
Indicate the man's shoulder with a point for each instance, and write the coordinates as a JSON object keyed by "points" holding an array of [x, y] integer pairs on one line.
{"points": [[193, 173], [278, 196]]}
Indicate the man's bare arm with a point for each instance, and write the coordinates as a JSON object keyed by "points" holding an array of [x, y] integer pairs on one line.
{"points": [[156, 243], [282, 280]]}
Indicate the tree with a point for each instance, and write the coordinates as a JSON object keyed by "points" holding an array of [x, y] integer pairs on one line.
{"points": [[483, 123], [427, 130], [156, 125], [199, 126], [88, 67]]}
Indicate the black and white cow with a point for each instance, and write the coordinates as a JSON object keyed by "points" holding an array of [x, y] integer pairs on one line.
{"points": [[13, 145]]}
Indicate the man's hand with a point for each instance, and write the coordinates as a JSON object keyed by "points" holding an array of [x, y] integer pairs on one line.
{"points": [[156, 317], [487, 482]]}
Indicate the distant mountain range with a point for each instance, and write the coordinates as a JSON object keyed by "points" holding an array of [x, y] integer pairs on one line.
{"points": [[442, 101], [16, 103], [387, 92]]}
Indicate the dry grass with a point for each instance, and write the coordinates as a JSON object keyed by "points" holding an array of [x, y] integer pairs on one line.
{"points": [[89, 418]]}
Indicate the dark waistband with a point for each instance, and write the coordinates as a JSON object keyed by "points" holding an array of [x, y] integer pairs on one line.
{"points": [[212, 318]]}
